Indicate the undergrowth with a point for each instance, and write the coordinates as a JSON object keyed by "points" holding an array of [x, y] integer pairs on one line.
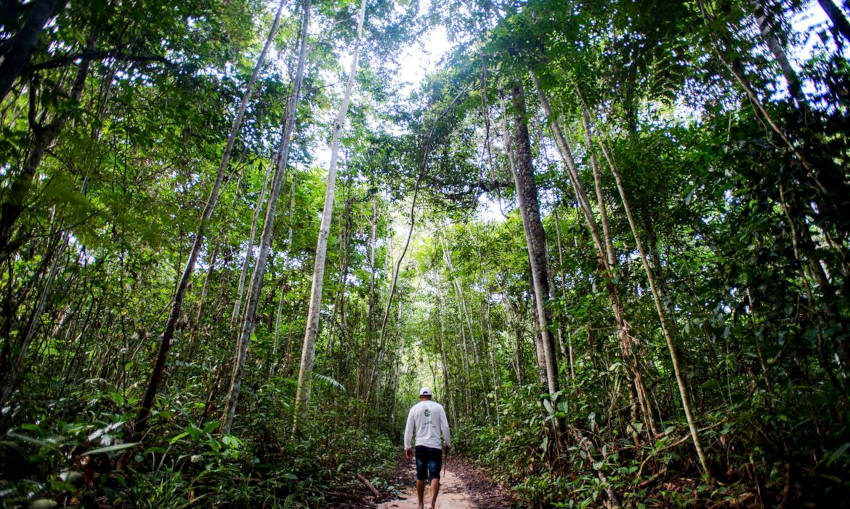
{"points": [[71, 451], [589, 459]]}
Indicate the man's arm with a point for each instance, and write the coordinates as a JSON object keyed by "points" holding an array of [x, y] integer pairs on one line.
{"points": [[444, 429], [408, 432]]}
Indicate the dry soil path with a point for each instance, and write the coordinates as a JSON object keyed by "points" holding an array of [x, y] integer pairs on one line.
{"points": [[453, 495], [462, 487]]}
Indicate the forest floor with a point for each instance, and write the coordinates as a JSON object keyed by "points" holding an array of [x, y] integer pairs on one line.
{"points": [[462, 486]]}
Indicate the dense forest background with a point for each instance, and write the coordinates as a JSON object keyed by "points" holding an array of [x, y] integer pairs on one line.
{"points": [[612, 235]]}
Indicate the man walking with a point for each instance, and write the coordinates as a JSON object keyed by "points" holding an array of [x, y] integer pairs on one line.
{"points": [[428, 419]]}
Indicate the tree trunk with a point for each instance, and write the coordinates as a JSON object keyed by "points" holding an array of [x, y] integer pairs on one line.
{"points": [[768, 32], [14, 199], [339, 301], [284, 289], [680, 381], [464, 312], [569, 353], [305, 374], [394, 280], [177, 302], [363, 371], [450, 402], [17, 56], [557, 316], [837, 17], [600, 199], [252, 300], [249, 253], [627, 342], [193, 334], [493, 367], [273, 361], [18, 366], [534, 234], [540, 355], [518, 329]]}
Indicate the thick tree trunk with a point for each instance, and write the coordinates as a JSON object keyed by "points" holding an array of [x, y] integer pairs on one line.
{"points": [[534, 234], [177, 302], [305, 374], [837, 17], [17, 56], [254, 290]]}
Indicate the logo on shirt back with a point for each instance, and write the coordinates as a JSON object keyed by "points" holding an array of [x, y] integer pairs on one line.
{"points": [[427, 413]]}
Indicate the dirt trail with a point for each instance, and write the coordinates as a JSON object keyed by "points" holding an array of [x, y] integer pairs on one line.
{"points": [[453, 495], [462, 486]]}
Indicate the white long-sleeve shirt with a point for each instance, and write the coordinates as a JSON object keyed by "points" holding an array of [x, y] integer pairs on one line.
{"points": [[428, 419]]}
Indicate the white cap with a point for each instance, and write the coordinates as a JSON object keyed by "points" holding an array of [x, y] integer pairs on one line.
{"points": [[425, 391]]}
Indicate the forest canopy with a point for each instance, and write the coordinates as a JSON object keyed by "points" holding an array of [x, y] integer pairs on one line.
{"points": [[237, 237]]}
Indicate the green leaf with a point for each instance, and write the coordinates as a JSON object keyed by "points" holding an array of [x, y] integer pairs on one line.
{"points": [[111, 448]]}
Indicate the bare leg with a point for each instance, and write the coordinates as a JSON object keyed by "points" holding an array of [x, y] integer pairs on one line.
{"points": [[435, 488], [420, 492]]}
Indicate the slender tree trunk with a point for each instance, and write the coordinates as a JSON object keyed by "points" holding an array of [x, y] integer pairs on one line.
{"points": [[569, 353], [14, 199], [17, 56], [339, 301], [768, 32], [737, 73], [538, 340], [600, 198], [252, 300], [534, 233], [557, 316], [450, 402], [193, 334], [464, 312], [273, 365], [249, 253], [278, 315], [627, 342], [394, 280], [517, 360], [305, 374], [363, 371], [18, 366], [680, 381], [177, 302], [493, 367]]}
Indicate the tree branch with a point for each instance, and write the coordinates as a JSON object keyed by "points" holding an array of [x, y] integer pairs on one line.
{"points": [[98, 55]]}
